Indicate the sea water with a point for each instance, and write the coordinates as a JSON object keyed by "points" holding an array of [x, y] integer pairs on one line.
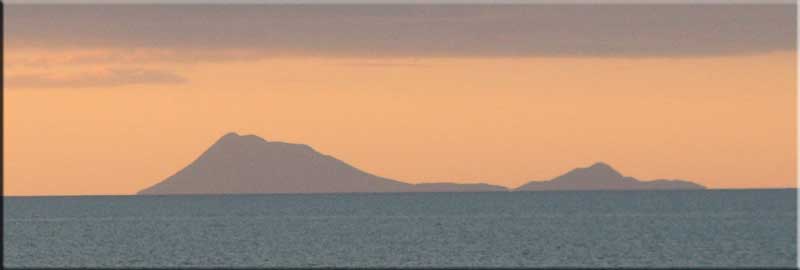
{"points": [[708, 228]]}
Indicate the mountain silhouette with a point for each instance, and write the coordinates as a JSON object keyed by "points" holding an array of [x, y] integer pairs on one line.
{"points": [[248, 164], [601, 176]]}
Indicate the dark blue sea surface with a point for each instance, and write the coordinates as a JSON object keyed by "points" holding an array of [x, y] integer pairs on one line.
{"points": [[742, 228]]}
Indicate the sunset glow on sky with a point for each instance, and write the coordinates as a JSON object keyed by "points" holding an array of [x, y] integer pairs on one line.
{"points": [[97, 115]]}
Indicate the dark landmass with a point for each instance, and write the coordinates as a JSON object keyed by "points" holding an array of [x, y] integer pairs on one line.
{"points": [[601, 176], [455, 187], [248, 164], [251, 165]]}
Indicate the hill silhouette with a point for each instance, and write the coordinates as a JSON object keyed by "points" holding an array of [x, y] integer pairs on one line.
{"points": [[601, 176], [238, 164], [248, 164]]}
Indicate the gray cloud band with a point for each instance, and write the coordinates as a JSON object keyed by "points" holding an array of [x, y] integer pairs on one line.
{"points": [[630, 30]]}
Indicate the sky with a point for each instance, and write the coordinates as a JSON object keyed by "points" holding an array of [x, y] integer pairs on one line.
{"points": [[110, 99]]}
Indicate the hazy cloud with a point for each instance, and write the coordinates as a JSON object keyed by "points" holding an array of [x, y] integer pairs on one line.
{"points": [[412, 30], [108, 78], [33, 58]]}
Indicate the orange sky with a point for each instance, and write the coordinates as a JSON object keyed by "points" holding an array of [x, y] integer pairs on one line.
{"points": [[725, 121]]}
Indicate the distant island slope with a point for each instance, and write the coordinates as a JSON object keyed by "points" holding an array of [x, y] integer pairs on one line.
{"points": [[238, 164], [248, 164], [601, 176]]}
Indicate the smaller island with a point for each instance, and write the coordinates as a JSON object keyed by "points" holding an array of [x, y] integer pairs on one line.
{"points": [[601, 176]]}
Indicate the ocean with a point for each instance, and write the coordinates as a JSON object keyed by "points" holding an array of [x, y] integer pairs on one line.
{"points": [[697, 228]]}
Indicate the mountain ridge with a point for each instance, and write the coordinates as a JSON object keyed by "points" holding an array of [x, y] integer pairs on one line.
{"points": [[249, 164], [601, 176]]}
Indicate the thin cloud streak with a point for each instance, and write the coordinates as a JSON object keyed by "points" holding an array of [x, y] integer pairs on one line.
{"points": [[42, 58], [108, 78]]}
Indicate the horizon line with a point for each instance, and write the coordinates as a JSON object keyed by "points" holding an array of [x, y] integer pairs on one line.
{"points": [[399, 192]]}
